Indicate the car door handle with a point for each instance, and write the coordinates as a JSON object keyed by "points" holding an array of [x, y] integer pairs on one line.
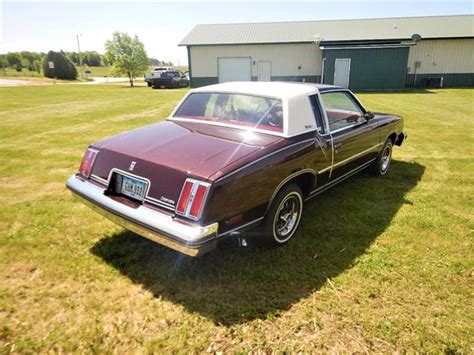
{"points": [[337, 145]]}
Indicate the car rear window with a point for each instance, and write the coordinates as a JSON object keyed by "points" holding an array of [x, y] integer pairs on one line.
{"points": [[234, 109], [170, 74]]}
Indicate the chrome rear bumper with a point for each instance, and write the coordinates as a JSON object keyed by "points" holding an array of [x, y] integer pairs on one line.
{"points": [[161, 228]]}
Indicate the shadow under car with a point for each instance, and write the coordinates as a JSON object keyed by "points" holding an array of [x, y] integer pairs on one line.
{"points": [[234, 285]]}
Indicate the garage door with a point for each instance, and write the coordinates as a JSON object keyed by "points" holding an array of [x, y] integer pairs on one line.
{"points": [[234, 69]]}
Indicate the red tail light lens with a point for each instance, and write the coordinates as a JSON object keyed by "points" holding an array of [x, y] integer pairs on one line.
{"points": [[184, 198], [192, 198], [198, 201], [87, 162]]}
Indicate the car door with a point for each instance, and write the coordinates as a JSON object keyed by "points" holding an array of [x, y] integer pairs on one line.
{"points": [[355, 139]]}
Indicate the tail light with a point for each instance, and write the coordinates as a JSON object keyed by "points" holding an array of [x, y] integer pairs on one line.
{"points": [[87, 162], [192, 198]]}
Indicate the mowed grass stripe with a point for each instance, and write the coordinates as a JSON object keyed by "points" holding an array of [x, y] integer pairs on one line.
{"points": [[77, 112]]}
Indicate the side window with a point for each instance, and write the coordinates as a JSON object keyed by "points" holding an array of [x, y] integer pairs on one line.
{"points": [[313, 99], [341, 109]]}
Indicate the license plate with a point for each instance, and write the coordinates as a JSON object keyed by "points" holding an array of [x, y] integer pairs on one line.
{"points": [[162, 87], [133, 188]]}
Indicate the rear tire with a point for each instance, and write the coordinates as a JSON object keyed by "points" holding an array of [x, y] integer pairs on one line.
{"points": [[381, 165], [284, 215]]}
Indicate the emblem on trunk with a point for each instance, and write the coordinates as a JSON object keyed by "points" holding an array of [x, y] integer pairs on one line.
{"points": [[132, 165], [167, 200]]}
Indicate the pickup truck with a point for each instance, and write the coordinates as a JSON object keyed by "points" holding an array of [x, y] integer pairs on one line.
{"points": [[156, 73], [170, 79]]}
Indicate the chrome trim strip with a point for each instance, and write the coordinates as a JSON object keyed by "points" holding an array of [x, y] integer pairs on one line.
{"points": [[348, 159], [159, 205], [285, 180], [332, 156], [324, 170], [159, 227], [337, 180], [261, 158], [99, 179], [325, 116], [152, 199], [242, 226], [344, 128], [356, 155]]}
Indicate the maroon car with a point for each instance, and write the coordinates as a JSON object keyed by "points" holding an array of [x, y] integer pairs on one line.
{"points": [[234, 156]]}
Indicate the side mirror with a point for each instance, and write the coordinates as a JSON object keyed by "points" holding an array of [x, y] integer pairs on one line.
{"points": [[369, 115]]}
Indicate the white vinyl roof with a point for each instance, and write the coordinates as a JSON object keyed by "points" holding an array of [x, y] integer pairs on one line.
{"points": [[280, 90], [298, 116], [397, 28]]}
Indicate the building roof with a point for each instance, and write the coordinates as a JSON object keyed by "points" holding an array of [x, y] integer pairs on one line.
{"points": [[397, 28]]}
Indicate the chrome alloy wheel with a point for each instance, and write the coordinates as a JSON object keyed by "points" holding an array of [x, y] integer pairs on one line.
{"points": [[287, 217], [386, 158]]}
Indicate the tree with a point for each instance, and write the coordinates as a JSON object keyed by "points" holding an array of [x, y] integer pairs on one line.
{"points": [[37, 66], [73, 57], [3, 62], [28, 59], [92, 59], [14, 60], [63, 67], [127, 55]]}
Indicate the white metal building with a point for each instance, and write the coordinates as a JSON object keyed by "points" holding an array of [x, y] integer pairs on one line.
{"points": [[360, 54]]}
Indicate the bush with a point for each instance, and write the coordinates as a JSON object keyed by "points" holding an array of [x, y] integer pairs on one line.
{"points": [[63, 67]]}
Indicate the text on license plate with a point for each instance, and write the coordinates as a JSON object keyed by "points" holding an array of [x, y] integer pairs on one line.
{"points": [[133, 188]]}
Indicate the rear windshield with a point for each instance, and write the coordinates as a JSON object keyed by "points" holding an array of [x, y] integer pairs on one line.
{"points": [[170, 74], [236, 109]]}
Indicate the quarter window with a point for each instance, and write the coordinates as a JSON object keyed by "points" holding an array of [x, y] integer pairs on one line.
{"points": [[341, 109]]}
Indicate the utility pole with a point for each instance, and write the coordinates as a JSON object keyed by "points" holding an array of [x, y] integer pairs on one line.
{"points": [[80, 59]]}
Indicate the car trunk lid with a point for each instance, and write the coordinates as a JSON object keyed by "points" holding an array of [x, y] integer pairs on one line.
{"points": [[168, 152]]}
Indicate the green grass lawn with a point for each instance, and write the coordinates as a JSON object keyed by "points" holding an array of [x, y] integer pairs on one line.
{"points": [[97, 71], [25, 73], [378, 264]]}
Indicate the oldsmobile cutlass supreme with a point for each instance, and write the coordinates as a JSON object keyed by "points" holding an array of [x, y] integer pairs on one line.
{"points": [[233, 156]]}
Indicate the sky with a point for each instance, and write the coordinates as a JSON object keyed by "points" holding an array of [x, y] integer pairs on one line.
{"points": [[43, 26]]}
